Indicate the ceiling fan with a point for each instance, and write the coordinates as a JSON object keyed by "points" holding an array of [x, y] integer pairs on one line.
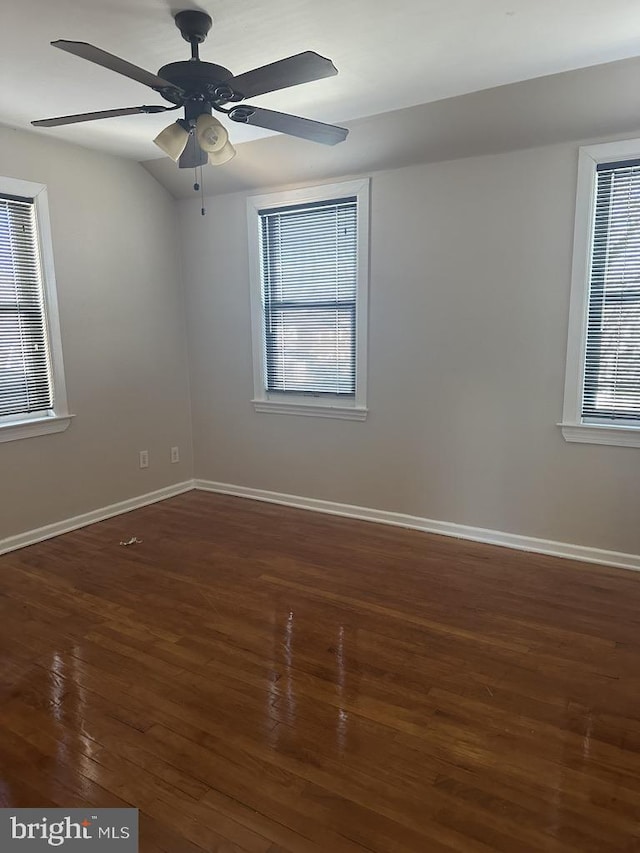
{"points": [[202, 87]]}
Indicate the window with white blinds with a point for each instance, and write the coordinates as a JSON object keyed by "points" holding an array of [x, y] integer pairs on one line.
{"points": [[612, 363], [33, 398], [309, 273], [25, 363], [602, 379], [309, 280]]}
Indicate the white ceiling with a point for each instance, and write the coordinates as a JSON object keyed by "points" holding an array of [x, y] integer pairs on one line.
{"points": [[390, 55]]}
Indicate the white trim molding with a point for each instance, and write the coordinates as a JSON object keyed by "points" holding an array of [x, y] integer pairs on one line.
{"points": [[444, 528], [31, 537], [586, 433], [574, 428], [11, 431], [352, 408], [311, 409]]}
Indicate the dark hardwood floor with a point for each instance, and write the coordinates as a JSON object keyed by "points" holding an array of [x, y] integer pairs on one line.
{"points": [[260, 679]]}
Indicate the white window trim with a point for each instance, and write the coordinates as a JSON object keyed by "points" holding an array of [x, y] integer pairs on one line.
{"points": [[59, 418], [574, 427], [306, 404]]}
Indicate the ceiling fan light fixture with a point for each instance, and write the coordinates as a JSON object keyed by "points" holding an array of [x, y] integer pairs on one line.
{"points": [[173, 139], [219, 158], [212, 136]]}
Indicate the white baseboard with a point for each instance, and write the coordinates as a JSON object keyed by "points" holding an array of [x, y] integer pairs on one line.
{"points": [[12, 543], [445, 528]]}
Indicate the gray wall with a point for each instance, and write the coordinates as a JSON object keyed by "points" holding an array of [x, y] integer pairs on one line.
{"points": [[123, 332], [469, 295]]}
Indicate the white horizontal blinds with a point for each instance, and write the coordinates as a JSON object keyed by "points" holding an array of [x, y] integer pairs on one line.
{"points": [[25, 365], [612, 367], [309, 277]]}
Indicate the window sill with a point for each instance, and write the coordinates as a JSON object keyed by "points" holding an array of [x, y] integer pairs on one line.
{"points": [[14, 430], [311, 410], [622, 436]]}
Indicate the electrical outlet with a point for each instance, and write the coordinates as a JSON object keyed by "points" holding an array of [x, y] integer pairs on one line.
{"points": [[175, 454], [144, 458]]}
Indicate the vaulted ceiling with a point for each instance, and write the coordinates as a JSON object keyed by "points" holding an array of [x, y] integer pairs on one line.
{"points": [[391, 56]]}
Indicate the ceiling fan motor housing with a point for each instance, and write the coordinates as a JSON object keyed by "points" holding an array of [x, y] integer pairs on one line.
{"points": [[196, 79]]}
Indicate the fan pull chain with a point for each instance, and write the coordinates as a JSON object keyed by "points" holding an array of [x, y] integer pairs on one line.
{"points": [[199, 185], [203, 209]]}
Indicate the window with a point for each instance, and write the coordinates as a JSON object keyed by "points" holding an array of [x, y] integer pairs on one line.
{"points": [[602, 387], [32, 392], [308, 252]]}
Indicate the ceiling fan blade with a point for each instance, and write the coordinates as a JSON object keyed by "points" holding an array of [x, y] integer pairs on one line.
{"points": [[125, 111], [305, 128], [192, 155], [114, 63], [301, 68]]}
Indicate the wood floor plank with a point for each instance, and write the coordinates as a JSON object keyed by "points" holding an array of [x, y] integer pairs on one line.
{"points": [[257, 679]]}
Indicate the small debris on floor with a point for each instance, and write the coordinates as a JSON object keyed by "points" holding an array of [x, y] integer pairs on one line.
{"points": [[133, 541]]}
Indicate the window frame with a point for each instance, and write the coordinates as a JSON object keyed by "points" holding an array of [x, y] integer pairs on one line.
{"points": [[308, 404], [574, 427], [57, 419]]}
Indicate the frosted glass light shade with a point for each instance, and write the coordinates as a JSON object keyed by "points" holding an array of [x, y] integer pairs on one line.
{"points": [[172, 140], [218, 158], [212, 136]]}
